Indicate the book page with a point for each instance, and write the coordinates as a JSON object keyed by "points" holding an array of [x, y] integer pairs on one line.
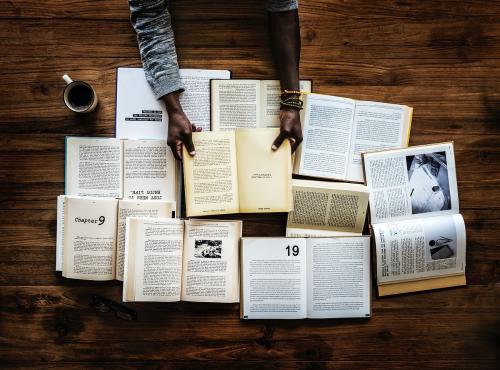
{"points": [[140, 115], [338, 275], [211, 261], [210, 177], [420, 249], [235, 104], [327, 124], [129, 259], [60, 232], [327, 207], [89, 238], [94, 167], [270, 101], [296, 232], [195, 100], [264, 175], [377, 126], [274, 280], [157, 259], [412, 183], [149, 170], [129, 208]]}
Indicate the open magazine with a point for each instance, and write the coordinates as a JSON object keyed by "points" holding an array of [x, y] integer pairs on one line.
{"points": [[419, 233]]}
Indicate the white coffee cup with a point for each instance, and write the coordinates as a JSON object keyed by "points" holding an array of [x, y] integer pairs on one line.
{"points": [[79, 96]]}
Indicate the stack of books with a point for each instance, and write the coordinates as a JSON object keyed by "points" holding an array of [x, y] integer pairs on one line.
{"points": [[119, 216]]}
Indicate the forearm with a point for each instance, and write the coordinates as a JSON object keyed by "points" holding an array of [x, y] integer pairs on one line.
{"points": [[285, 43], [152, 23]]}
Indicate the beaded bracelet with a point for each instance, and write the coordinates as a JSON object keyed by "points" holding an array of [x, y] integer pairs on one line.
{"points": [[292, 103]]}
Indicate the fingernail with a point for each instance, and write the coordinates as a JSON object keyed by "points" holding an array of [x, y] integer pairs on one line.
{"points": [[274, 147], [193, 152]]}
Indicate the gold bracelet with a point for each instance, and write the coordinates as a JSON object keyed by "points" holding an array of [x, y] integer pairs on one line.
{"points": [[294, 92], [291, 92]]}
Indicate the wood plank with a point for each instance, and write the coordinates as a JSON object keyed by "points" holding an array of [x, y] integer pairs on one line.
{"points": [[342, 40], [62, 319], [194, 9], [244, 365], [379, 72]]}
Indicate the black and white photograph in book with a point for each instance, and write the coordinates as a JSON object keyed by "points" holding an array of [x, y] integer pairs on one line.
{"points": [[441, 240], [208, 248], [429, 184]]}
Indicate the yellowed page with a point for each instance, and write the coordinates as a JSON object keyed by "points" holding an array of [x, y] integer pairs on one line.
{"points": [[407, 128], [210, 177], [129, 260], [264, 176], [157, 254], [89, 245], [323, 207], [421, 285], [134, 208]]}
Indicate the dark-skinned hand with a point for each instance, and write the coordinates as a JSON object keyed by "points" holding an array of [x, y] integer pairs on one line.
{"points": [[290, 128]]}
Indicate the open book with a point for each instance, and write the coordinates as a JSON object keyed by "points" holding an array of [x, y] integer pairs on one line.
{"points": [[114, 168], [295, 278], [337, 130], [322, 208], [247, 103], [237, 172], [91, 234], [419, 233], [168, 260], [139, 115]]}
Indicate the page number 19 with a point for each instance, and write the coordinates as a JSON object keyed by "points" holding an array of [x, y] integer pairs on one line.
{"points": [[294, 251]]}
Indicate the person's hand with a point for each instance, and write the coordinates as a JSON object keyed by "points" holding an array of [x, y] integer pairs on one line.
{"points": [[290, 128], [180, 128]]}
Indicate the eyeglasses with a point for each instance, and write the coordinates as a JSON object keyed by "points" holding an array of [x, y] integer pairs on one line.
{"points": [[105, 305]]}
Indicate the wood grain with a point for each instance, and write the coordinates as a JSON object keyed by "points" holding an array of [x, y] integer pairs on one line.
{"points": [[441, 57]]}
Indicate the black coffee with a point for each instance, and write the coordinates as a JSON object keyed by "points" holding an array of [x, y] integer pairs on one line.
{"points": [[80, 97]]}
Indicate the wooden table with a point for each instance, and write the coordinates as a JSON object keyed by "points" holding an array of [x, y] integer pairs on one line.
{"points": [[441, 57]]}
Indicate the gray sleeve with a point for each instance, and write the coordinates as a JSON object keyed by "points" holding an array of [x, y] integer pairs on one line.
{"points": [[281, 5], [151, 21]]}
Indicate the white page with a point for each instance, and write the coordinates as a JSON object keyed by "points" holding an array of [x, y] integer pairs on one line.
{"points": [[139, 115], [420, 249], [377, 126], [158, 260], [274, 279], [327, 125], [210, 261], [338, 274], [131, 208], [149, 170], [90, 238], [412, 183], [270, 101], [60, 232], [94, 167]]}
